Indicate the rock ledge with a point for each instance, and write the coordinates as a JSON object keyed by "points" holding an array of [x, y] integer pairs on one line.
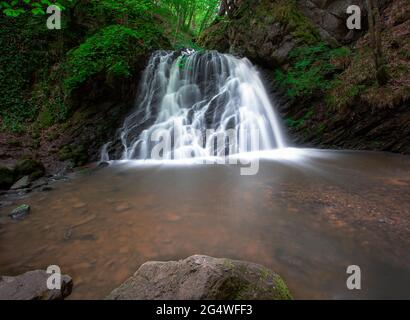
{"points": [[202, 278]]}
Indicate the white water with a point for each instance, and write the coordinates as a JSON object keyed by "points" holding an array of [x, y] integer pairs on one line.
{"points": [[199, 105]]}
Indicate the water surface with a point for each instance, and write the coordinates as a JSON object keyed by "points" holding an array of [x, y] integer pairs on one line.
{"points": [[307, 218]]}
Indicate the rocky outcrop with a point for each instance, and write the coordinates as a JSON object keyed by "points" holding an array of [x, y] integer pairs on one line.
{"points": [[21, 175], [342, 106], [32, 285], [329, 17], [202, 278], [266, 31]]}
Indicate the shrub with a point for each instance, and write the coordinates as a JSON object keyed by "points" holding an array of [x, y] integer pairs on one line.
{"points": [[113, 50], [312, 70]]}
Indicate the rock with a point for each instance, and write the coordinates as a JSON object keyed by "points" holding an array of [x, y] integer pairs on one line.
{"points": [[21, 184], [29, 167], [76, 154], [5, 204], [39, 183], [201, 278], [6, 178], [330, 17], [103, 164], [46, 189], [123, 207], [20, 212], [266, 31], [32, 285]]}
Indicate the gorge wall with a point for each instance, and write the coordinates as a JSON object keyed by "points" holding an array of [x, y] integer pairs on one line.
{"points": [[322, 72]]}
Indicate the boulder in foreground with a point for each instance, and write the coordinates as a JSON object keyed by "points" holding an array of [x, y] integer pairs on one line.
{"points": [[32, 285], [202, 278]]}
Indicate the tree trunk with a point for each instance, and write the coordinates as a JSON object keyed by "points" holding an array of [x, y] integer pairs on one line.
{"points": [[376, 41]]}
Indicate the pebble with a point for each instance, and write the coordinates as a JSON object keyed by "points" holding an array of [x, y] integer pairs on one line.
{"points": [[20, 212]]}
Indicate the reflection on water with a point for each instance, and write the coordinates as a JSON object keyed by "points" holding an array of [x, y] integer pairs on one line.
{"points": [[307, 219]]}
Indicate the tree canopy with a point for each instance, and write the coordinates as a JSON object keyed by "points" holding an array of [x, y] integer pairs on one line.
{"points": [[189, 15]]}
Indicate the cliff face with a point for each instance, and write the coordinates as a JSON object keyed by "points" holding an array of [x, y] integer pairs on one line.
{"points": [[322, 72], [267, 31]]}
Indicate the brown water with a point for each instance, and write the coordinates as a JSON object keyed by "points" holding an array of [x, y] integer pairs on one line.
{"points": [[307, 219]]}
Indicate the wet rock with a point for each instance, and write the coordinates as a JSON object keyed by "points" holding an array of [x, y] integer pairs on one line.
{"points": [[76, 154], [29, 167], [32, 285], [5, 204], [68, 234], [329, 17], [39, 183], [103, 164], [20, 212], [21, 184], [123, 207], [200, 278], [79, 205], [6, 178], [46, 189]]}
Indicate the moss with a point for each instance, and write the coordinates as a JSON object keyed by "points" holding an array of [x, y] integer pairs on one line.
{"points": [[35, 144], [77, 154], [14, 143], [287, 13], [52, 136], [113, 51], [29, 167], [281, 291]]}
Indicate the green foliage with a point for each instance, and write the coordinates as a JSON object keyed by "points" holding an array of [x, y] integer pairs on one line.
{"points": [[190, 15], [39, 68], [29, 167], [22, 63], [112, 50], [124, 12], [16, 8], [299, 122], [311, 70]]}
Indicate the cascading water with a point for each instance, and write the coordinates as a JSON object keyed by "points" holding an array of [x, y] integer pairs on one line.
{"points": [[192, 102]]}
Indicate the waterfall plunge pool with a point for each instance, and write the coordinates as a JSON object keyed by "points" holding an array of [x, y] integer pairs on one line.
{"points": [[308, 218]]}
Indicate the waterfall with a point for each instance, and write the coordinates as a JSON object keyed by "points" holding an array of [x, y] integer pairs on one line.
{"points": [[199, 104]]}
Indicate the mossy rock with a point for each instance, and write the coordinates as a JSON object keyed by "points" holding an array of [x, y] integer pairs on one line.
{"points": [[77, 154], [6, 178], [202, 278], [29, 167]]}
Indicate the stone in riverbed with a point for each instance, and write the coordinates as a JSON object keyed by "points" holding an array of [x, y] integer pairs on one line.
{"points": [[39, 183], [46, 189], [21, 184], [20, 212], [202, 278], [32, 285]]}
